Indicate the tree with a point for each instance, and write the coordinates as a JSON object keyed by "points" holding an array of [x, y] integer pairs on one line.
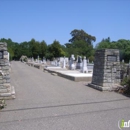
{"points": [[35, 48], [122, 44], [43, 48], [24, 47], [127, 54], [17, 52], [105, 43], [49, 54], [11, 52], [55, 50], [80, 44], [10, 46], [63, 47], [78, 35]]}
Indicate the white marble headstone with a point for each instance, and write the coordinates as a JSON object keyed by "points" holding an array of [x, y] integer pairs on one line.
{"points": [[84, 67]]}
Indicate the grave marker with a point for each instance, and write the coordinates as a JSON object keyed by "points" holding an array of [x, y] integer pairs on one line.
{"points": [[84, 66], [106, 70]]}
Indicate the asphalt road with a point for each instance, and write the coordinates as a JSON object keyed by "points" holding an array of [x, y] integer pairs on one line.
{"points": [[47, 102]]}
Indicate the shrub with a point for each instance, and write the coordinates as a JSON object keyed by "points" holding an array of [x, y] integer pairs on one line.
{"points": [[126, 83]]}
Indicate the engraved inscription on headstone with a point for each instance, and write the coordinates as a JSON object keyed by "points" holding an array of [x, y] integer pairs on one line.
{"points": [[111, 58]]}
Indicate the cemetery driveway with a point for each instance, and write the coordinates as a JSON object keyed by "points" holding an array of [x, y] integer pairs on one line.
{"points": [[47, 102]]}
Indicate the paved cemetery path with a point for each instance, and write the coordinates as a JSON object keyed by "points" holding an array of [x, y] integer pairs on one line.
{"points": [[47, 102]]}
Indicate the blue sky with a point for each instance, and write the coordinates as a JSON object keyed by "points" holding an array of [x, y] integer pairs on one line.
{"points": [[22, 20]]}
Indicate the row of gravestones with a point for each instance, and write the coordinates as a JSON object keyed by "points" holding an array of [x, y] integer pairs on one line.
{"points": [[37, 60], [71, 64], [64, 62], [82, 65], [6, 90]]}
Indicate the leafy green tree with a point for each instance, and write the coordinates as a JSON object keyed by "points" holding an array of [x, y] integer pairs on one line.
{"points": [[24, 47], [80, 44], [127, 54], [10, 46], [11, 52], [63, 47], [35, 48], [17, 52], [49, 54], [82, 48], [104, 44], [43, 49], [122, 44], [78, 35], [56, 49]]}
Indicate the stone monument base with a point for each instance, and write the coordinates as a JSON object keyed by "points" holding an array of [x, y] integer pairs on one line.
{"points": [[100, 88], [8, 93], [79, 66]]}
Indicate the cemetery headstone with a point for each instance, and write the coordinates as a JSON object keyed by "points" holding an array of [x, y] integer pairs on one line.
{"points": [[88, 61], [44, 60], [64, 63], [72, 65], [58, 62], [38, 59], [55, 62], [84, 66], [79, 63], [32, 59], [106, 71]]}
